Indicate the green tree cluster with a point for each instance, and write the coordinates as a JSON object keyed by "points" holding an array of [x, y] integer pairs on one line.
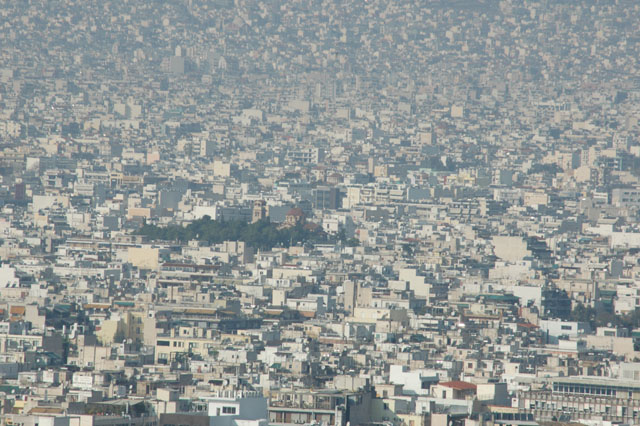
{"points": [[602, 318], [262, 234]]}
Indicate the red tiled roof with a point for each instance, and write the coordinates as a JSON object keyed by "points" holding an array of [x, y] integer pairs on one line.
{"points": [[527, 325], [459, 385], [17, 310], [296, 211]]}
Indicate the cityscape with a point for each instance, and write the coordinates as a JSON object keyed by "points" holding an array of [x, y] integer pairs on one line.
{"points": [[319, 212]]}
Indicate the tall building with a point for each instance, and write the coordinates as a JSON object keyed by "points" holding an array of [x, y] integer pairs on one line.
{"points": [[259, 211], [325, 197]]}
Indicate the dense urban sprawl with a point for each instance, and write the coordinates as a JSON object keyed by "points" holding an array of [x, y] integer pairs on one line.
{"points": [[243, 212]]}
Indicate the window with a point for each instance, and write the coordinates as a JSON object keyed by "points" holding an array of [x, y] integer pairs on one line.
{"points": [[566, 327], [163, 343], [228, 410]]}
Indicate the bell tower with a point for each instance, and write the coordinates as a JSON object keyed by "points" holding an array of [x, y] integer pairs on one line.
{"points": [[259, 211]]}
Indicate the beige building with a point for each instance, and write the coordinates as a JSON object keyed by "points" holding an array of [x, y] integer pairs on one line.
{"points": [[128, 325], [144, 257], [510, 249], [184, 340]]}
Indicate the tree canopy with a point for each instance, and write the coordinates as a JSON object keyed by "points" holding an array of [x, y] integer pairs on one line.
{"points": [[262, 234], [603, 318]]}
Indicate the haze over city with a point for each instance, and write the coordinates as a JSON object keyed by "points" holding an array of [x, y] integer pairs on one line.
{"points": [[377, 213]]}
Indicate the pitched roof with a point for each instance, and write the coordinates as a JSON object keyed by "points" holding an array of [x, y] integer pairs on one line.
{"points": [[17, 310], [527, 325], [459, 385], [296, 211]]}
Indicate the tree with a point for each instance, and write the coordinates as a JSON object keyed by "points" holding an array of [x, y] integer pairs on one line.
{"points": [[120, 335], [353, 242], [583, 313], [262, 234]]}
